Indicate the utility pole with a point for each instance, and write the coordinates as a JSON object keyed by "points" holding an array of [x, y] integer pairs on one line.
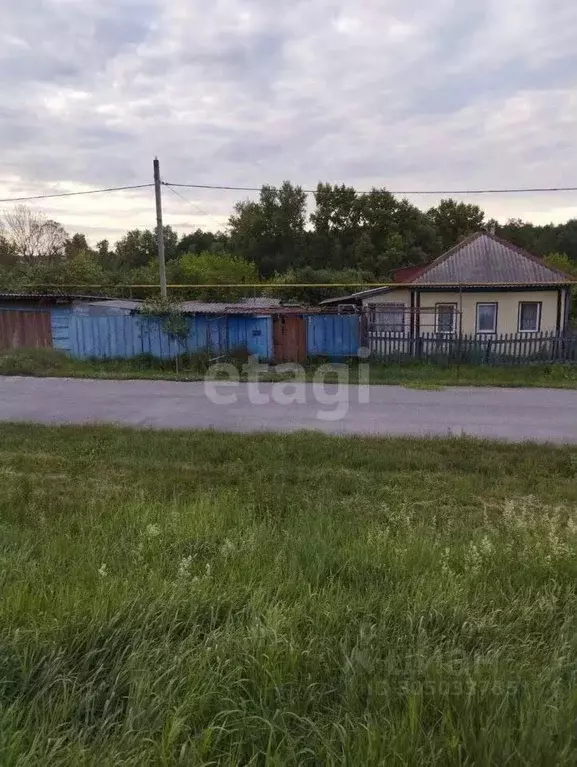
{"points": [[159, 229]]}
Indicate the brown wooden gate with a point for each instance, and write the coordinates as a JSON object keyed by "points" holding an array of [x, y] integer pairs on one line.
{"points": [[289, 338], [24, 329]]}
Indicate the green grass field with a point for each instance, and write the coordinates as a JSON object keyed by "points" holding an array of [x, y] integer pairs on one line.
{"points": [[198, 598], [47, 362]]}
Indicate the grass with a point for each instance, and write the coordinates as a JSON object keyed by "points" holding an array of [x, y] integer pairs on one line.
{"points": [[420, 375], [196, 598]]}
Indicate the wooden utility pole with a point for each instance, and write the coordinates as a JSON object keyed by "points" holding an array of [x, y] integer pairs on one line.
{"points": [[159, 229]]}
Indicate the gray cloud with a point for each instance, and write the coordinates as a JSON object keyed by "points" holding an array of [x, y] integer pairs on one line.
{"points": [[405, 94]]}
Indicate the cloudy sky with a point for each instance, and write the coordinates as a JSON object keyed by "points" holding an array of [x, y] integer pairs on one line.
{"points": [[408, 94]]}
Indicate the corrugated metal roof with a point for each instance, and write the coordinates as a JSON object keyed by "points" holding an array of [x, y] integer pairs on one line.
{"points": [[355, 296], [44, 297], [484, 259], [249, 306], [207, 307], [260, 302], [115, 303]]}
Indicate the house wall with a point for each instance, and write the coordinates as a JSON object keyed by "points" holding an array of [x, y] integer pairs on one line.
{"points": [[507, 308], [400, 296]]}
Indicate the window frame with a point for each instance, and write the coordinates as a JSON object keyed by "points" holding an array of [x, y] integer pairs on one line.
{"points": [[453, 306], [539, 305], [492, 332]]}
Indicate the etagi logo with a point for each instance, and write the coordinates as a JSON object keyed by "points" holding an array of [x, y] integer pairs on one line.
{"points": [[330, 386]]}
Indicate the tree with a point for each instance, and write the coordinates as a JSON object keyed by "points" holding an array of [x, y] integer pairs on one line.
{"points": [[373, 231], [202, 242], [344, 279], [32, 235], [337, 226], [271, 232], [75, 245], [81, 269], [105, 256], [562, 262], [138, 247], [456, 220], [214, 268], [8, 255]]}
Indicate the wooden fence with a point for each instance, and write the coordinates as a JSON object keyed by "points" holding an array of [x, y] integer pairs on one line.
{"points": [[505, 349]]}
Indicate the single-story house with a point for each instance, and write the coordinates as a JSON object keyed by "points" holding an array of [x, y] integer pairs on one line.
{"points": [[484, 286]]}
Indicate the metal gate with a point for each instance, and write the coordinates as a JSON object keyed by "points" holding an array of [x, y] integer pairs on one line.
{"points": [[25, 329], [289, 338]]}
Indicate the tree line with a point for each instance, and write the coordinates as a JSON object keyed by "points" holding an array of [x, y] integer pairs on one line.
{"points": [[346, 237]]}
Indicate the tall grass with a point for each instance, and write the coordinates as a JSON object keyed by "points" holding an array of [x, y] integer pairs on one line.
{"points": [[193, 367], [197, 598]]}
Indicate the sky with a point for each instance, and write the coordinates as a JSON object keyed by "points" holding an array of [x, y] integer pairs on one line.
{"points": [[407, 94]]}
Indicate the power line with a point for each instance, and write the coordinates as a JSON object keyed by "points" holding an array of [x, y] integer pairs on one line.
{"points": [[192, 204], [520, 190], [75, 194]]}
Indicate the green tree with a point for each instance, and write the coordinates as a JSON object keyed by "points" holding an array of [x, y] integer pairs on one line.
{"points": [[138, 248], [456, 220], [8, 254], [563, 262], [337, 226], [214, 269], [271, 232], [75, 245], [81, 269], [345, 281], [202, 242]]}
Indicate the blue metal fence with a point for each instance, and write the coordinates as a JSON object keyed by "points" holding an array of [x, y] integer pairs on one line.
{"points": [[333, 335], [117, 336]]}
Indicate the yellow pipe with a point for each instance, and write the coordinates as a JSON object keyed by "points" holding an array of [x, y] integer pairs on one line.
{"points": [[368, 285]]}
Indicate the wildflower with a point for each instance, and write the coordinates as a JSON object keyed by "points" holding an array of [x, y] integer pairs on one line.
{"points": [[486, 546], [152, 531], [473, 558], [184, 566], [227, 547], [445, 560], [102, 570]]}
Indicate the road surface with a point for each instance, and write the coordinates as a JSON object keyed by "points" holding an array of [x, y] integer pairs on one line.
{"points": [[511, 414]]}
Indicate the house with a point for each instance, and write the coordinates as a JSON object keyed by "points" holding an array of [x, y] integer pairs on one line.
{"points": [[484, 286]]}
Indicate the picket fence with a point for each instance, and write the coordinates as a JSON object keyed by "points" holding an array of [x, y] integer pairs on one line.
{"points": [[508, 348]]}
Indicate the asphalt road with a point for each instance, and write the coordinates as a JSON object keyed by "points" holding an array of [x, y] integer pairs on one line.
{"points": [[511, 414]]}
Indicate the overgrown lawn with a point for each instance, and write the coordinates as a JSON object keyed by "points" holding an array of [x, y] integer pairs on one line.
{"points": [[199, 598]]}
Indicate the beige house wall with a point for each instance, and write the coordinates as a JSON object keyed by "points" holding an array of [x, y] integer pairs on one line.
{"points": [[507, 307], [400, 296]]}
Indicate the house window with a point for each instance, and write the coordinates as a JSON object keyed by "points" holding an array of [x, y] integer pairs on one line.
{"points": [[529, 316], [390, 318], [445, 318], [486, 318]]}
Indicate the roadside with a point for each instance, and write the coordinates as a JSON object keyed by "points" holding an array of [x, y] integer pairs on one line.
{"points": [[420, 375]]}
